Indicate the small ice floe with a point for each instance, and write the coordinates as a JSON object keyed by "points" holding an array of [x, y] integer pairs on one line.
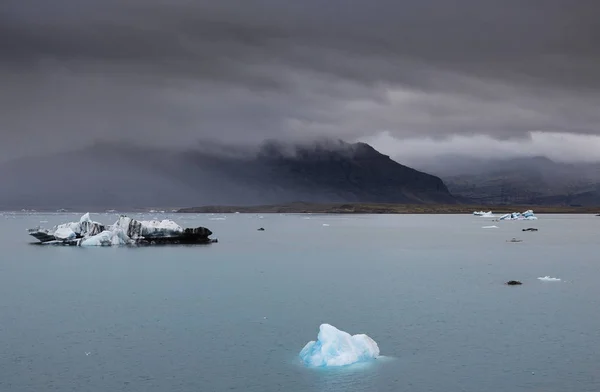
{"points": [[548, 279], [326, 224], [489, 227], [484, 214], [338, 348]]}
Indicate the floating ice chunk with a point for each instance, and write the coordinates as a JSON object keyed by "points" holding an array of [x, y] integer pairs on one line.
{"points": [[549, 279], [148, 229], [489, 227], [85, 227], [64, 233], [162, 228], [527, 215], [113, 237], [338, 348], [125, 231], [488, 214]]}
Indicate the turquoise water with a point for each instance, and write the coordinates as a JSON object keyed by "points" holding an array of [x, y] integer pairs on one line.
{"points": [[234, 315]]}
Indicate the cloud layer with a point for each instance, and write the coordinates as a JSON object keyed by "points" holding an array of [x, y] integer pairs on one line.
{"points": [[177, 72]]}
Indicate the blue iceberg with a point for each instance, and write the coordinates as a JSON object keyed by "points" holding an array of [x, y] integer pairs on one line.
{"points": [[527, 215], [338, 348]]}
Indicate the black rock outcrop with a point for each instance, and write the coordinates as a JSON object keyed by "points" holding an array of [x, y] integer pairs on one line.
{"points": [[190, 236]]}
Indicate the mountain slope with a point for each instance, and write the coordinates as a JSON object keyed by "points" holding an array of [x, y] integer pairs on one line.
{"points": [[535, 180], [118, 176]]}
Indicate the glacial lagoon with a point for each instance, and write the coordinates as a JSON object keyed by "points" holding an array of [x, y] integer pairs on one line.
{"points": [[234, 315]]}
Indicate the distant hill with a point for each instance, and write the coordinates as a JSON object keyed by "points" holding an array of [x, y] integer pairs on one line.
{"points": [[110, 176], [535, 180]]}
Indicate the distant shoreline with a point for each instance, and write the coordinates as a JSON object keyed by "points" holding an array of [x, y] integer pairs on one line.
{"points": [[373, 208], [336, 208]]}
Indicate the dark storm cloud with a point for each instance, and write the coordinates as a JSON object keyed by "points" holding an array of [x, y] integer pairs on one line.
{"points": [[172, 72]]}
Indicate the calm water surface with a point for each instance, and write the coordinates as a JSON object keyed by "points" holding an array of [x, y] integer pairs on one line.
{"points": [[233, 316]]}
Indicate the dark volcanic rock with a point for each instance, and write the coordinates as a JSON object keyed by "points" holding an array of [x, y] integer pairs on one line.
{"points": [[530, 229], [513, 283], [190, 236], [198, 232]]}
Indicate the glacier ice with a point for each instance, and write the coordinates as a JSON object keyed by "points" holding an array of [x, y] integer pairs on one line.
{"points": [[549, 279], [527, 215], [112, 237], [125, 231], [64, 233], [484, 214], [338, 348], [85, 227]]}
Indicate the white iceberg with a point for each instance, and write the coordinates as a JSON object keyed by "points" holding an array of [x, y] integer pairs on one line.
{"points": [[489, 227], [549, 279], [113, 237], [147, 229], [483, 214], [64, 233], [338, 348], [125, 231]]}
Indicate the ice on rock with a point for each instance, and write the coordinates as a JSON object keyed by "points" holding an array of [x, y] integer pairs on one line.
{"points": [[338, 348], [162, 228], [147, 229]]}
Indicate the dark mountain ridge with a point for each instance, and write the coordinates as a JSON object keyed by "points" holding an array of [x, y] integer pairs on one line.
{"points": [[125, 176]]}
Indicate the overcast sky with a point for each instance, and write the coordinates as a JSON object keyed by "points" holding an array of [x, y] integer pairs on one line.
{"points": [[413, 77]]}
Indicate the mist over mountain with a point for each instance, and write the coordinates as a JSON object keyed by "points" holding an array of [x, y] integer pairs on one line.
{"points": [[128, 176], [531, 180]]}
